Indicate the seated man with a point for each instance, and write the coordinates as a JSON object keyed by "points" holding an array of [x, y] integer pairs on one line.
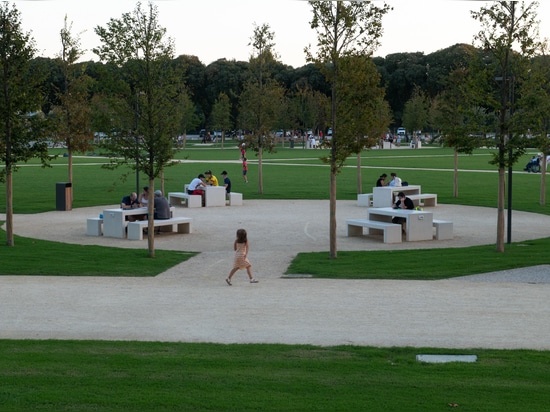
{"points": [[210, 179], [131, 202], [395, 181], [197, 186], [162, 207], [403, 202]]}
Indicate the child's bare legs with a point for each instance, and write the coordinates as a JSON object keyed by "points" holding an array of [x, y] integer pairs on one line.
{"points": [[228, 280]]}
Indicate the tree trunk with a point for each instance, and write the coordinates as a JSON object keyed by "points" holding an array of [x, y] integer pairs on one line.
{"points": [[359, 176], [333, 248], [151, 218], [71, 177], [543, 179], [455, 180], [500, 214], [9, 208], [260, 175]]}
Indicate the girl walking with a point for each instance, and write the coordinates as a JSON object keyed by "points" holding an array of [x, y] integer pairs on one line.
{"points": [[241, 257]]}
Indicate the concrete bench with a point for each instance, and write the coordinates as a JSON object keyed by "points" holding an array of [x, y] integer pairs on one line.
{"points": [[391, 231], [94, 226], [176, 224], [443, 229], [424, 199], [185, 199], [235, 199], [364, 200]]}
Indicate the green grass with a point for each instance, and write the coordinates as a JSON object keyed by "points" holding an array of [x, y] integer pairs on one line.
{"points": [[288, 174], [422, 264], [41, 257], [123, 376]]}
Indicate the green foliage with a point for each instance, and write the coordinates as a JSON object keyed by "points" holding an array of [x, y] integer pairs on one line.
{"points": [[158, 376]]}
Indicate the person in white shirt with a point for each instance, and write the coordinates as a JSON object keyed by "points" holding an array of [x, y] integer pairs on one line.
{"points": [[395, 181]]}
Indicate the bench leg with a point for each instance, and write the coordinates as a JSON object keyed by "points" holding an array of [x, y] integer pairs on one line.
{"points": [[392, 234], [184, 227], [355, 230], [430, 202], [444, 231], [135, 232]]}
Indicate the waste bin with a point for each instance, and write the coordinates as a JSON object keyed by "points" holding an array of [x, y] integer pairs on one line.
{"points": [[63, 196], [291, 143]]}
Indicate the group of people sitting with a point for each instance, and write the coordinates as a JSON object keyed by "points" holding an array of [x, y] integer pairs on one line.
{"points": [[394, 182], [199, 184], [132, 201]]}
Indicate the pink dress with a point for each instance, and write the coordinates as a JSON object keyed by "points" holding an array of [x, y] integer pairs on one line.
{"points": [[241, 261]]}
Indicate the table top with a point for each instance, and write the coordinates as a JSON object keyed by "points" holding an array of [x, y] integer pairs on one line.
{"points": [[390, 211]]}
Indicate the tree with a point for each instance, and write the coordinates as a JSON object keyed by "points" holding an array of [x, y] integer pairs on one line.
{"points": [[362, 112], [454, 114], [136, 41], [74, 111], [221, 114], [23, 130], [534, 106], [343, 29], [261, 98], [415, 113], [509, 36]]}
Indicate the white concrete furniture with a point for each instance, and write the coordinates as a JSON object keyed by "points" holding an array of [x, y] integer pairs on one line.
{"points": [[419, 224], [185, 199], [443, 229], [384, 196], [235, 199], [94, 226], [114, 220], [176, 224], [424, 199], [214, 196], [364, 200], [391, 231]]}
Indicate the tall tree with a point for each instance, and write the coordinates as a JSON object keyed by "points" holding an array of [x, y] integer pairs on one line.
{"points": [[74, 111], [362, 111], [343, 29], [509, 35], [454, 114], [415, 113], [221, 114], [261, 98], [22, 134], [137, 41]]}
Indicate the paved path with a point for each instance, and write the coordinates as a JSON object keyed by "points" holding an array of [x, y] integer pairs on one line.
{"points": [[192, 303]]}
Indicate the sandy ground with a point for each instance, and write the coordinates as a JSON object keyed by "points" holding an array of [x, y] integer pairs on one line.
{"points": [[192, 303]]}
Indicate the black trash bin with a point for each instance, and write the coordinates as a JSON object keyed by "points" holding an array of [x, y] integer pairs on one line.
{"points": [[63, 196], [291, 143]]}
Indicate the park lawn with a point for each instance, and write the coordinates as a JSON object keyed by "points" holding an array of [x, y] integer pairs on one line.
{"points": [[153, 376], [422, 264], [287, 174], [46, 258]]}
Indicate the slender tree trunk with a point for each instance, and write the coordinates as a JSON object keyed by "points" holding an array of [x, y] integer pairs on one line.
{"points": [[543, 179], [9, 208], [500, 214], [455, 180], [359, 177], [333, 247], [151, 218], [260, 174], [71, 177]]}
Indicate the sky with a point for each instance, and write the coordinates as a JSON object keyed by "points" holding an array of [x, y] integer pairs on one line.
{"points": [[215, 29]]}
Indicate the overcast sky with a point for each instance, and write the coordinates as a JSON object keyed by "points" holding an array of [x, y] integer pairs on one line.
{"points": [[214, 29]]}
